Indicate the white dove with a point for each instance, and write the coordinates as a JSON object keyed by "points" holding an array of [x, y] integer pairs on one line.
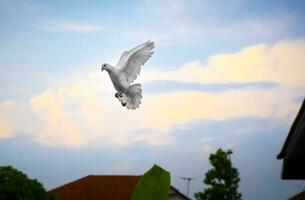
{"points": [[126, 71]]}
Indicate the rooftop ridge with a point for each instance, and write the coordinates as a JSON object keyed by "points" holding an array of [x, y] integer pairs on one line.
{"points": [[110, 175], [88, 176]]}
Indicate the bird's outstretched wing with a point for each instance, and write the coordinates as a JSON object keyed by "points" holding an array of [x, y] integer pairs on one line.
{"points": [[131, 61]]}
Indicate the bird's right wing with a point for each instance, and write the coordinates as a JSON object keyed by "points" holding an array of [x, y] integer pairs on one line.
{"points": [[131, 61]]}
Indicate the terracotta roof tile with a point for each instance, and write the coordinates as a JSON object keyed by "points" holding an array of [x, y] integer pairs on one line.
{"points": [[103, 187], [97, 188]]}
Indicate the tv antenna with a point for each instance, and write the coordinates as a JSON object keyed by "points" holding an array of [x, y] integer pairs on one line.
{"points": [[188, 179]]}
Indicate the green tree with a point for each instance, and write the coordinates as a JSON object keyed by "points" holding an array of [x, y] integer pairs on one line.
{"points": [[222, 180], [15, 185]]}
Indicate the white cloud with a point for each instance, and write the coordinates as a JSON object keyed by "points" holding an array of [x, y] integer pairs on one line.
{"points": [[282, 63], [76, 121], [16, 118]]}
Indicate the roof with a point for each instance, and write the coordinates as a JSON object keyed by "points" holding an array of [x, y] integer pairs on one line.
{"points": [[293, 150], [97, 187], [179, 193], [300, 196], [100, 187], [297, 121]]}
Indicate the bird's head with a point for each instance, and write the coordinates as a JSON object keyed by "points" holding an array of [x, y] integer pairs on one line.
{"points": [[105, 66]]}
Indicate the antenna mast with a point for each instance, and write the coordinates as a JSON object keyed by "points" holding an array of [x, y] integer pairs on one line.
{"points": [[188, 179]]}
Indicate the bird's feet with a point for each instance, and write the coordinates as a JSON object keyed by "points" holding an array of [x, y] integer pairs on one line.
{"points": [[118, 94]]}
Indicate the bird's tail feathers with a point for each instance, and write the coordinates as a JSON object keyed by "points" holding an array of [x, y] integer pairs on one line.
{"points": [[133, 96]]}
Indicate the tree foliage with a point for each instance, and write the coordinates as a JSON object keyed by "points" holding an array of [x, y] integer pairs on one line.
{"points": [[15, 185], [222, 180]]}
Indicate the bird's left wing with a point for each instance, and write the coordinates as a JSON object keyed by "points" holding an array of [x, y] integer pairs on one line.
{"points": [[131, 61]]}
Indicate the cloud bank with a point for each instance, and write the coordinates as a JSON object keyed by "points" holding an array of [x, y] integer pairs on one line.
{"points": [[85, 112]]}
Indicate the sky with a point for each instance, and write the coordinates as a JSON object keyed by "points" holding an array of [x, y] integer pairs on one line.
{"points": [[225, 74]]}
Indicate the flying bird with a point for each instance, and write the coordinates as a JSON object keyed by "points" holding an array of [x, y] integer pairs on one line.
{"points": [[126, 71]]}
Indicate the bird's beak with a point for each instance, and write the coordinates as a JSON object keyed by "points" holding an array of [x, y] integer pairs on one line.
{"points": [[102, 69]]}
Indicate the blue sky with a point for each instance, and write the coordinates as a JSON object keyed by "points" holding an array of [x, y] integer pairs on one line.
{"points": [[224, 74]]}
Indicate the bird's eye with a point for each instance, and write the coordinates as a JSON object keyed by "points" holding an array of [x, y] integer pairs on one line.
{"points": [[104, 65]]}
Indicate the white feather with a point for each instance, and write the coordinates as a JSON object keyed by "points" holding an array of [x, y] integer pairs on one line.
{"points": [[127, 70], [131, 61]]}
